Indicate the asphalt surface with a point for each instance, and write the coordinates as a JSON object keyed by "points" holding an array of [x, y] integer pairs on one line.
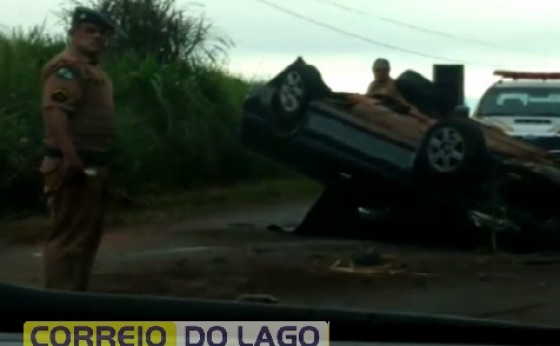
{"points": [[227, 254]]}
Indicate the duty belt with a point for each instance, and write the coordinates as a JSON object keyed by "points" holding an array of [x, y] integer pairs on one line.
{"points": [[88, 157]]}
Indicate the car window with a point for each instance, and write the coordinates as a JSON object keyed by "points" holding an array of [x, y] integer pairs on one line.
{"points": [[526, 102]]}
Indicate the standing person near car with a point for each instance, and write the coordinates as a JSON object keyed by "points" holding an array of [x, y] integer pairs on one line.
{"points": [[78, 114], [383, 84]]}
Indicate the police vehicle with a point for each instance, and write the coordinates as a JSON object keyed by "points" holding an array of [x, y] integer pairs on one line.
{"points": [[525, 105]]}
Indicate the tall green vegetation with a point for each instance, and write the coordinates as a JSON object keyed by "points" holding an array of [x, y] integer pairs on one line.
{"points": [[178, 110]]}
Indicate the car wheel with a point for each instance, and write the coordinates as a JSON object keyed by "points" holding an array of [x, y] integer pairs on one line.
{"points": [[418, 91], [453, 149], [289, 103], [292, 93]]}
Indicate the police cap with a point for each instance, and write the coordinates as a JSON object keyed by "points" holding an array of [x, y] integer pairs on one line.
{"points": [[87, 15]]}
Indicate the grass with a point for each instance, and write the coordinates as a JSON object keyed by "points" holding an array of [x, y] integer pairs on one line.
{"points": [[177, 206], [178, 115]]}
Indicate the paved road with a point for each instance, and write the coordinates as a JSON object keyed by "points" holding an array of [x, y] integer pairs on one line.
{"points": [[223, 255]]}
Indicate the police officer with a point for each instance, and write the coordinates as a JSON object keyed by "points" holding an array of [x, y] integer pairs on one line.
{"points": [[383, 84], [78, 114]]}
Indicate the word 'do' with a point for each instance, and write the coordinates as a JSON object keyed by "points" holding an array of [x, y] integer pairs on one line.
{"points": [[218, 335]]}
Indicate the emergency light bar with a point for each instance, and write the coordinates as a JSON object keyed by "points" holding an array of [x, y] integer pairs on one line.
{"points": [[527, 75]]}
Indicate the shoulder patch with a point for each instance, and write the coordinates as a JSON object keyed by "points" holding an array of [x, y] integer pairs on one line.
{"points": [[59, 95], [65, 73]]}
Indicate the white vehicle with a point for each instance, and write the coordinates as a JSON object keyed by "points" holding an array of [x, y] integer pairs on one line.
{"points": [[525, 105]]}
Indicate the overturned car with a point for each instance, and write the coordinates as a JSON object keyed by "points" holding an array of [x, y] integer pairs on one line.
{"points": [[434, 167]]}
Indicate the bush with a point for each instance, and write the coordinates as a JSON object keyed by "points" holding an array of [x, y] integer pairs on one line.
{"points": [[177, 121]]}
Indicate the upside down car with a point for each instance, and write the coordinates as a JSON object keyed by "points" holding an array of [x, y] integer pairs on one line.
{"points": [[371, 152]]}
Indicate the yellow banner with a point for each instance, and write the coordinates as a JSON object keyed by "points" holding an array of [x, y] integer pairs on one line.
{"points": [[100, 334]]}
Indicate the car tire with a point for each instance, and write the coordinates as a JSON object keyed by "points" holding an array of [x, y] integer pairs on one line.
{"points": [[453, 150], [289, 103], [297, 86], [418, 91]]}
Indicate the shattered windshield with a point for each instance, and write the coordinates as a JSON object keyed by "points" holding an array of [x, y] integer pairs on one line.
{"points": [[536, 101], [314, 153]]}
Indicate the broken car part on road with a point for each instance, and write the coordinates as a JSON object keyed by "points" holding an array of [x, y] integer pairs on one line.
{"points": [[434, 166]]}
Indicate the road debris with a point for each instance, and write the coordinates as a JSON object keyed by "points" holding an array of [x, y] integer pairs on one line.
{"points": [[371, 262], [348, 267]]}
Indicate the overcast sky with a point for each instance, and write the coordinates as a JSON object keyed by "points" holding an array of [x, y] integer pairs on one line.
{"points": [[483, 34]]}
